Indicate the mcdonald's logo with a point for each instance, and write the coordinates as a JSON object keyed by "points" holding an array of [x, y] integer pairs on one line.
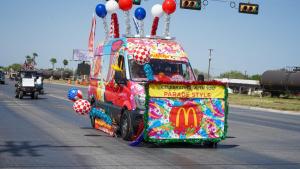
{"points": [[185, 117]]}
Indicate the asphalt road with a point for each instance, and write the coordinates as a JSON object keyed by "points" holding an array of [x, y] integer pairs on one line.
{"points": [[46, 133]]}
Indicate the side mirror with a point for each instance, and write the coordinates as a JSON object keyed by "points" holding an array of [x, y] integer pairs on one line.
{"points": [[119, 78], [200, 78]]}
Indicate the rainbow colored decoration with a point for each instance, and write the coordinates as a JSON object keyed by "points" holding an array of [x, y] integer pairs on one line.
{"points": [[188, 119]]}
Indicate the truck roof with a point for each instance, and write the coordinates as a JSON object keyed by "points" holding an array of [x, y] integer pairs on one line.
{"points": [[158, 48]]}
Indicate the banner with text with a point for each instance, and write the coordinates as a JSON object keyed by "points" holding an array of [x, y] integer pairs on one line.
{"points": [[185, 112], [186, 91], [81, 55]]}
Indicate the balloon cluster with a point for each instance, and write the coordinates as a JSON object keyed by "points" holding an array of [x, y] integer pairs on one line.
{"points": [[148, 72], [169, 7], [126, 5], [111, 6], [96, 113], [141, 55], [140, 14], [101, 10], [156, 12], [74, 94], [82, 107]]}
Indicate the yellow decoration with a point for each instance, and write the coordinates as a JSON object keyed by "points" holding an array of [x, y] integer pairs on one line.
{"points": [[116, 68], [184, 91]]}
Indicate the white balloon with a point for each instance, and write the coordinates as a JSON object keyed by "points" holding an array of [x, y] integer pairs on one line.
{"points": [[157, 10], [111, 6]]}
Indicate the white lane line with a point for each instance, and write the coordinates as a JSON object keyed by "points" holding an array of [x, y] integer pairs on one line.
{"points": [[67, 85], [266, 110], [17, 105], [58, 97]]}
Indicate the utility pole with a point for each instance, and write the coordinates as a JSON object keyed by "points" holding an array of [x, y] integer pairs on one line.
{"points": [[209, 60]]}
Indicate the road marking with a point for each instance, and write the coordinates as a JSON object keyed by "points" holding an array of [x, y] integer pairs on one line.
{"points": [[58, 97], [266, 110], [17, 105], [66, 85]]}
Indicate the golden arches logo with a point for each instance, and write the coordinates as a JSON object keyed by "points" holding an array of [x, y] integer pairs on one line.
{"points": [[186, 113]]}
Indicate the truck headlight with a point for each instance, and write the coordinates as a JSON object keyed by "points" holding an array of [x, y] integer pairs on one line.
{"points": [[140, 101]]}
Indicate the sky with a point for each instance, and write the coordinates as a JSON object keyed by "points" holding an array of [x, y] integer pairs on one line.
{"points": [[251, 43]]}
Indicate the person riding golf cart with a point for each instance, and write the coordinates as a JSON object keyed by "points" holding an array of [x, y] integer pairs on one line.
{"points": [[39, 82], [26, 84]]}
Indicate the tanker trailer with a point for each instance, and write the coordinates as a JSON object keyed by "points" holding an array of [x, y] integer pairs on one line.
{"points": [[57, 74], [67, 74], [47, 73], [282, 81]]}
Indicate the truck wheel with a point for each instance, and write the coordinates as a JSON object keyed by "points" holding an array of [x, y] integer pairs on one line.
{"points": [[21, 94], [211, 144], [42, 91], [92, 121], [126, 126], [36, 95]]}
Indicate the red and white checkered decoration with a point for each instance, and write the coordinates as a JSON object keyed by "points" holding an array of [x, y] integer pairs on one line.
{"points": [[82, 107], [79, 95], [141, 55]]}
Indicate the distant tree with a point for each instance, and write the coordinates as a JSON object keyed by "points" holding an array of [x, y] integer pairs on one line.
{"points": [[34, 56], [255, 77], [234, 74], [198, 72], [65, 62], [53, 62], [28, 59], [6, 69], [15, 67]]}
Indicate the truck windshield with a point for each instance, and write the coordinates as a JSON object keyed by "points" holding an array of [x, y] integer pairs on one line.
{"points": [[163, 70]]}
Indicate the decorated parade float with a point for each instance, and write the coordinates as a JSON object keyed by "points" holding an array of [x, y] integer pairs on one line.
{"points": [[142, 88]]}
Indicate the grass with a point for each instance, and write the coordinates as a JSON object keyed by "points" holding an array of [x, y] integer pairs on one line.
{"points": [[64, 82], [290, 104]]}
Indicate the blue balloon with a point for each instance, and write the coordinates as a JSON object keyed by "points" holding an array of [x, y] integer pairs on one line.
{"points": [[140, 13], [96, 113], [72, 93], [101, 10], [148, 72]]}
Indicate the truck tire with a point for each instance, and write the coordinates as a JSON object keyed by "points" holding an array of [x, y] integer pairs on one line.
{"points": [[21, 94], [92, 121], [42, 91], [126, 126], [36, 95], [211, 144]]}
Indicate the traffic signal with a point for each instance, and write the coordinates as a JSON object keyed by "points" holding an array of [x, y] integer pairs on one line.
{"points": [[248, 8], [190, 4], [136, 2]]}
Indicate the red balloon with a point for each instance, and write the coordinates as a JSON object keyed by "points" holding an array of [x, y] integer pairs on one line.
{"points": [[125, 5], [169, 6]]}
